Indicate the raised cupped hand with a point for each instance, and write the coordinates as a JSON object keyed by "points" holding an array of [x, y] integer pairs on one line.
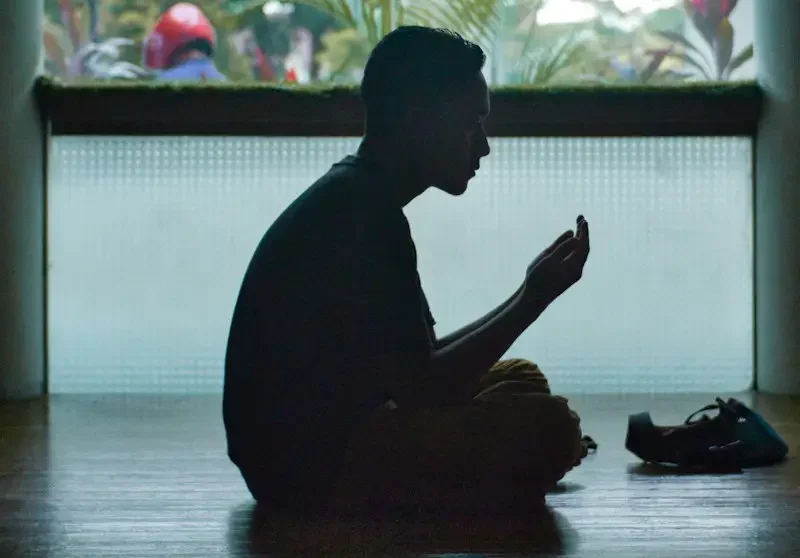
{"points": [[558, 267]]}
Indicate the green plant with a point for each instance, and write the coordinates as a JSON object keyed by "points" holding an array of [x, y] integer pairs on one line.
{"points": [[543, 55], [343, 51], [477, 20], [711, 18], [548, 63], [616, 47]]}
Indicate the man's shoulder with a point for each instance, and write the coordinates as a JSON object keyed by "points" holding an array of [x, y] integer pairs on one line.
{"points": [[350, 181], [346, 192], [337, 203]]}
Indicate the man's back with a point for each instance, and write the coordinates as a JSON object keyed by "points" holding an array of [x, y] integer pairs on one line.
{"points": [[332, 282]]}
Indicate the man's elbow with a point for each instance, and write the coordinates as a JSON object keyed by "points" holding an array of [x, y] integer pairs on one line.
{"points": [[410, 384]]}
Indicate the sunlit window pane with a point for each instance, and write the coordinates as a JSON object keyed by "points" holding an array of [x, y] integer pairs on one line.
{"points": [[148, 239]]}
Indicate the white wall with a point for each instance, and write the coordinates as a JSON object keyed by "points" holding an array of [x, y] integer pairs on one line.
{"points": [[22, 363], [777, 199]]}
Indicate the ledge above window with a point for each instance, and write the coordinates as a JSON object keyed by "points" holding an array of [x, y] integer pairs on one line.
{"points": [[123, 108]]}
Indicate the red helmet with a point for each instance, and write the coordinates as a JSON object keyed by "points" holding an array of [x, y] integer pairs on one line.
{"points": [[180, 25]]}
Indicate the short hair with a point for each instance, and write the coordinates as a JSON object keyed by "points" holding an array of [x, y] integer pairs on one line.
{"points": [[416, 65]]}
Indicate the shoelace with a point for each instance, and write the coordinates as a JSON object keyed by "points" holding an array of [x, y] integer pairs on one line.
{"points": [[726, 410], [722, 457]]}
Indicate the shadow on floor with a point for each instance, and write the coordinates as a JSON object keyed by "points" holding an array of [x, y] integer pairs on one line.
{"points": [[252, 534]]}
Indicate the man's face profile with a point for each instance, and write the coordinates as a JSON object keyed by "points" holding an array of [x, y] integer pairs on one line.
{"points": [[453, 139]]}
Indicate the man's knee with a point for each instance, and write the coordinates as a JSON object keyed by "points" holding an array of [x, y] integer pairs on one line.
{"points": [[510, 364], [514, 375], [547, 432], [564, 437]]}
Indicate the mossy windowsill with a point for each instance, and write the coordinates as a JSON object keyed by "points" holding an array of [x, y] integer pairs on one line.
{"points": [[236, 109]]}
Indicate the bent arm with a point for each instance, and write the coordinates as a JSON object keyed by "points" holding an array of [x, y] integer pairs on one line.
{"points": [[373, 274], [471, 355], [441, 378], [454, 336]]}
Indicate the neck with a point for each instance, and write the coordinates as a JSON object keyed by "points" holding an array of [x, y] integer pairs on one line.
{"points": [[391, 157]]}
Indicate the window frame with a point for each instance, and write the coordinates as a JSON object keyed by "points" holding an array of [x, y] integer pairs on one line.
{"points": [[696, 110]]}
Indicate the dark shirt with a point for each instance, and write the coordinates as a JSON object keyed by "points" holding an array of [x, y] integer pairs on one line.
{"points": [[332, 285]]}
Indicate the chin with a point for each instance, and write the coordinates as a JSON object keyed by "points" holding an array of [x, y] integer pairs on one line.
{"points": [[454, 187]]}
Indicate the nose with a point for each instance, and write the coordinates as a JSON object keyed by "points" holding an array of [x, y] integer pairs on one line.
{"points": [[480, 146], [484, 148]]}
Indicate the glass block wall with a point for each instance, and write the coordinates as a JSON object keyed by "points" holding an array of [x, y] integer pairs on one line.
{"points": [[149, 238]]}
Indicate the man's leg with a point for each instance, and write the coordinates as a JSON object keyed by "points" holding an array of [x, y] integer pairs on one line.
{"points": [[496, 453], [513, 375]]}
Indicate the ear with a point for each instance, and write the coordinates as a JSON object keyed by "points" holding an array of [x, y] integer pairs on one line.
{"points": [[415, 121]]}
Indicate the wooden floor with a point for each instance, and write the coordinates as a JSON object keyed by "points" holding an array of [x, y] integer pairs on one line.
{"points": [[84, 476]]}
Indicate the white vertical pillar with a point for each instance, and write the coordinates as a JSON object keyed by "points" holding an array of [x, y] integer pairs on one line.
{"points": [[777, 198], [22, 311]]}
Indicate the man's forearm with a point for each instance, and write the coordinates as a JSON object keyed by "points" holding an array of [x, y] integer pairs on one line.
{"points": [[443, 342], [471, 355]]}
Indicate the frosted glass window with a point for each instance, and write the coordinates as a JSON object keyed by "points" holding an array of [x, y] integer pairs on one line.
{"points": [[149, 238]]}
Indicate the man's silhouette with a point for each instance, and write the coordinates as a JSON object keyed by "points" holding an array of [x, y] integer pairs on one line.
{"points": [[339, 396]]}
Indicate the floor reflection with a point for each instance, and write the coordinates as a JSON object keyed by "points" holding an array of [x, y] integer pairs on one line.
{"points": [[253, 533], [142, 476], [28, 518]]}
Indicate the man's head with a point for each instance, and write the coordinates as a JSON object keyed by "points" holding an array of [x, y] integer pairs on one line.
{"points": [[424, 89]]}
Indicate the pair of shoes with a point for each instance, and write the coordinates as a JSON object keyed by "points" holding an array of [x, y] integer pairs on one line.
{"points": [[736, 438]]}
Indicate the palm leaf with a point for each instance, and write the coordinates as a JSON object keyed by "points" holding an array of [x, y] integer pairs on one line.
{"points": [[236, 7], [338, 9], [431, 17], [237, 12], [400, 10], [344, 6], [654, 65], [691, 55], [530, 25], [680, 39], [687, 58], [369, 22], [476, 20], [675, 75], [740, 59], [543, 65], [723, 46], [387, 17]]}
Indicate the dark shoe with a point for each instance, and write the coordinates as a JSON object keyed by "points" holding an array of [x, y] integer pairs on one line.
{"points": [[736, 438]]}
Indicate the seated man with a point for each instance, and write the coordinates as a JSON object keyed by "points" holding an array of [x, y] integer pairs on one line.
{"points": [[339, 397]]}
